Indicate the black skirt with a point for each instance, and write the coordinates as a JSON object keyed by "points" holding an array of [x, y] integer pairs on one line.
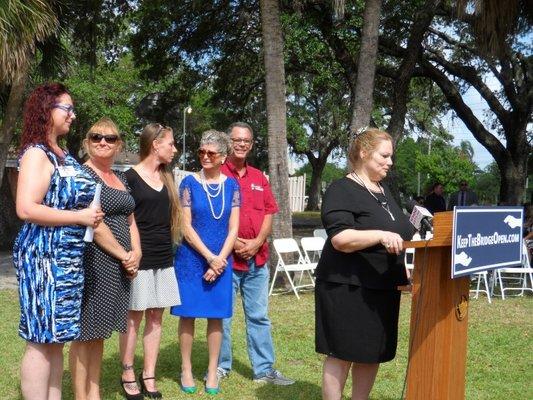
{"points": [[356, 324]]}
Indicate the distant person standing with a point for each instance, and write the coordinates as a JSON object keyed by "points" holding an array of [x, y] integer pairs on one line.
{"points": [[435, 201], [463, 197]]}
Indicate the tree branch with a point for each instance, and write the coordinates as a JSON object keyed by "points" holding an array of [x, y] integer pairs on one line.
{"points": [[419, 28], [469, 74], [482, 135]]}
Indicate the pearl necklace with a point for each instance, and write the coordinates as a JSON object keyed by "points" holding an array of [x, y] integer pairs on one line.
{"points": [[208, 189], [383, 204]]}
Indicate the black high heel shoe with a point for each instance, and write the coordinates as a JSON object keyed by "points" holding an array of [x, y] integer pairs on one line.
{"points": [[136, 396], [151, 395]]}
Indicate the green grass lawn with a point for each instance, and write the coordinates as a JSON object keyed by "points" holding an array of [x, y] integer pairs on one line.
{"points": [[499, 354]]}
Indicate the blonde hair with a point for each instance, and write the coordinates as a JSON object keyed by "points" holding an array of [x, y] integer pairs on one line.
{"points": [[368, 141], [103, 123], [150, 134]]}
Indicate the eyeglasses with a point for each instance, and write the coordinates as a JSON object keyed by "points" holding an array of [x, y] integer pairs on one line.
{"points": [[211, 154], [97, 138], [68, 108], [463, 184], [241, 140]]}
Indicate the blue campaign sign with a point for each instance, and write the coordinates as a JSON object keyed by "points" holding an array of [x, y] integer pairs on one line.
{"points": [[486, 238]]}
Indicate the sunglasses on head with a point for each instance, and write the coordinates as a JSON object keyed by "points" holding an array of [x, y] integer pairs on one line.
{"points": [[97, 138], [161, 129], [208, 153]]}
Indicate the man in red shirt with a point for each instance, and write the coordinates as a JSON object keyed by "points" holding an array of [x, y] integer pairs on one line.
{"points": [[250, 268]]}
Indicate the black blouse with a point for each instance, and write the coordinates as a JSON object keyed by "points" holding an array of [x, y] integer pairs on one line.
{"points": [[348, 205], [152, 215]]}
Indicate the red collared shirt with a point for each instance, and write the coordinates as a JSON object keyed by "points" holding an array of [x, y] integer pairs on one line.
{"points": [[256, 202]]}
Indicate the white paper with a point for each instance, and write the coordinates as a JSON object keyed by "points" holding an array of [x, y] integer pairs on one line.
{"points": [[89, 231]]}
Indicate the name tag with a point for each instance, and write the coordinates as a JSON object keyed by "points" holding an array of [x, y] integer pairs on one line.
{"points": [[256, 187], [66, 171]]}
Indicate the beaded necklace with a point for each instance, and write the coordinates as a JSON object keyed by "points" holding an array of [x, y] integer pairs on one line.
{"points": [[383, 204], [217, 188]]}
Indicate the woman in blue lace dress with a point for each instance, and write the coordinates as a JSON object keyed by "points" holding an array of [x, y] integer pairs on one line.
{"points": [[53, 195], [203, 263]]}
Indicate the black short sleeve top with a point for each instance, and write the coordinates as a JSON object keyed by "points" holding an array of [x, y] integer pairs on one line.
{"points": [[348, 205]]}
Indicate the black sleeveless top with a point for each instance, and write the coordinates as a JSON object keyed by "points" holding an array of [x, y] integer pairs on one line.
{"points": [[152, 215]]}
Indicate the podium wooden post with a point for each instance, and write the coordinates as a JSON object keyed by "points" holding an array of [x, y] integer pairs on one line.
{"points": [[439, 319]]}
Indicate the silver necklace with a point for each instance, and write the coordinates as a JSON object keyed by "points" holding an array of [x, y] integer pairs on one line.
{"points": [[383, 204], [208, 188]]}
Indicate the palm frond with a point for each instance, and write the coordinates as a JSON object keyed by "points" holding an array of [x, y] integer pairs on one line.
{"points": [[23, 23], [494, 21]]}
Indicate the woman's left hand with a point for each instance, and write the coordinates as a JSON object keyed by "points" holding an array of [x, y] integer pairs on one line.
{"points": [[210, 275], [131, 263], [392, 242]]}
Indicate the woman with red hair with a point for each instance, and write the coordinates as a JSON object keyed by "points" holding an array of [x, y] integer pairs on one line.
{"points": [[53, 198]]}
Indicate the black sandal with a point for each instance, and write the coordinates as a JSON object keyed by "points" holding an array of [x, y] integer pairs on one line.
{"points": [[151, 395], [136, 396]]}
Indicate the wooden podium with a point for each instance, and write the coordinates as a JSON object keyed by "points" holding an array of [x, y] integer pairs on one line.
{"points": [[439, 319]]}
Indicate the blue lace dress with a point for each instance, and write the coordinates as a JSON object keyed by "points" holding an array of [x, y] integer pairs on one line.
{"points": [[199, 298], [48, 261]]}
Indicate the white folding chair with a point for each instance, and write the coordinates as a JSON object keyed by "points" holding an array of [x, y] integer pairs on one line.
{"points": [[481, 276], [312, 247], [285, 247], [517, 274], [320, 233]]}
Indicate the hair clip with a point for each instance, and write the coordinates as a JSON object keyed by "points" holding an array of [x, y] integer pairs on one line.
{"points": [[361, 130]]}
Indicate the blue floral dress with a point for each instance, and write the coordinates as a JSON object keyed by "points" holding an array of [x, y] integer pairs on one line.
{"points": [[48, 260], [201, 299]]}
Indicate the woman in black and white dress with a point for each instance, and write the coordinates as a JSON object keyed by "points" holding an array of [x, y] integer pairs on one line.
{"points": [[158, 215], [109, 264]]}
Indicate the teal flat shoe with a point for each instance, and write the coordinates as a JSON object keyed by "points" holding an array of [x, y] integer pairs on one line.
{"points": [[187, 389], [212, 391]]}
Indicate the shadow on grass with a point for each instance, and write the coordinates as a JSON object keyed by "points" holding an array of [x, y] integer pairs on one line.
{"points": [[300, 390]]}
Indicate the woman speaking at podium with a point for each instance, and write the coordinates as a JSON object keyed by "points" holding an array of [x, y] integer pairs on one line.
{"points": [[357, 300]]}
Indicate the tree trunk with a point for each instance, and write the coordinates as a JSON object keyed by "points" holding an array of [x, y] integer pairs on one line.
{"points": [[315, 191], [9, 222], [364, 91], [512, 159], [401, 84], [276, 115], [14, 105]]}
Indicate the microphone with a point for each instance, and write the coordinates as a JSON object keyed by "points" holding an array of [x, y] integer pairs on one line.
{"points": [[421, 219]]}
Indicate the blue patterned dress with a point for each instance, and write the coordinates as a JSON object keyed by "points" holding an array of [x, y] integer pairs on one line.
{"points": [[48, 261], [201, 299]]}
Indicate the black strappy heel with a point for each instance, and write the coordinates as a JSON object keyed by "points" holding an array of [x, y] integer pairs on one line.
{"points": [[136, 396], [151, 395]]}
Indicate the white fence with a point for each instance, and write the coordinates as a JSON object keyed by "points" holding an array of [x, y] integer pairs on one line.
{"points": [[297, 195]]}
